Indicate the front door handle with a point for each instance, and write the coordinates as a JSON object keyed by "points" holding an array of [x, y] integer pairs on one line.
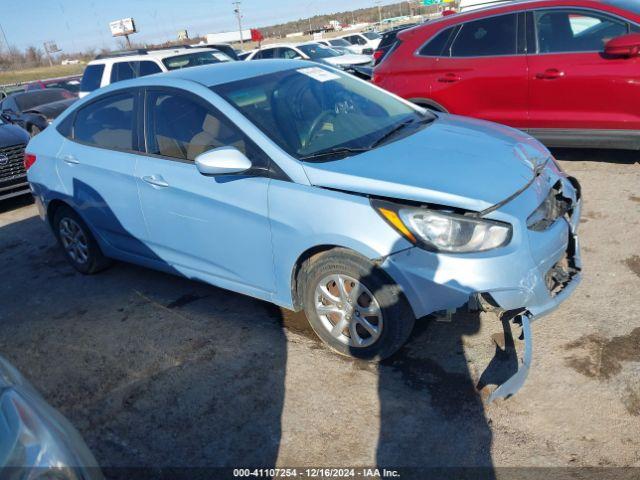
{"points": [[70, 160], [449, 78], [156, 181], [550, 74]]}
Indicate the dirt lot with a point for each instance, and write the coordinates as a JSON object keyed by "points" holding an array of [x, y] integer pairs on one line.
{"points": [[156, 370]]}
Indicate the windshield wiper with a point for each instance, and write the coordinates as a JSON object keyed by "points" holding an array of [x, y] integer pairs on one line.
{"points": [[332, 152], [397, 128]]}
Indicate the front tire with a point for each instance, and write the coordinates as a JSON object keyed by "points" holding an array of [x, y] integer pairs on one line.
{"points": [[78, 243], [354, 306]]}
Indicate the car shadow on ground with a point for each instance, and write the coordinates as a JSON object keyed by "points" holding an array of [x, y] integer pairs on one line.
{"points": [[623, 157], [157, 371]]}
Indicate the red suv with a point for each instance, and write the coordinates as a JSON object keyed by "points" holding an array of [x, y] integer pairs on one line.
{"points": [[568, 72]]}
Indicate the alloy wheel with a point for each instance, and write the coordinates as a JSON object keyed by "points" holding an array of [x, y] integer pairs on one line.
{"points": [[348, 310], [74, 240]]}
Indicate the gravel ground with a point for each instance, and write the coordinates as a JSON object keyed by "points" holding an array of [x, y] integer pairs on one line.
{"points": [[156, 370]]}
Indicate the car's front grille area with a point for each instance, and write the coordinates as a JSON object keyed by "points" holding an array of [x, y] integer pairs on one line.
{"points": [[12, 162], [555, 206]]}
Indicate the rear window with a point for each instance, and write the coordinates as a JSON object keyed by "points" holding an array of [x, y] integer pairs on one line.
{"points": [[123, 71], [371, 35], [29, 100], [437, 44], [486, 37], [107, 123], [195, 59], [92, 78]]}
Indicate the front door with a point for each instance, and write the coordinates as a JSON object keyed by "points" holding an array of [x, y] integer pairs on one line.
{"points": [[212, 228], [573, 85]]}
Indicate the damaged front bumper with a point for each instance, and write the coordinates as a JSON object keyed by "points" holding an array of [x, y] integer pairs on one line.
{"points": [[529, 278]]}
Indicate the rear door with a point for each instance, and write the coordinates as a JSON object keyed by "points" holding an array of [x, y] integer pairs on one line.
{"points": [[97, 167], [482, 71], [213, 228], [573, 85]]}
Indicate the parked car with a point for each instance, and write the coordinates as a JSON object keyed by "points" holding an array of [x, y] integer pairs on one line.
{"points": [[36, 109], [339, 44], [388, 40], [222, 47], [298, 184], [570, 81], [71, 84], [36, 441], [118, 66], [309, 51], [365, 43], [13, 177]]}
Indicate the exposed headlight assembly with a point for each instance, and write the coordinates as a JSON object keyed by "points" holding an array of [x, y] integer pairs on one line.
{"points": [[443, 231]]}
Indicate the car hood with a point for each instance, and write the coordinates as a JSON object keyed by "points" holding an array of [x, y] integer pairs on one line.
{"points": [[453, 161], [12, 135], [348, 59], [53, 109]]}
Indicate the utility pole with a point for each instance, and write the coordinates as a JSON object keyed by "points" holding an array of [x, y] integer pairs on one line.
{"points": [[239, 17], [46, 50], [4, 37], [379, 12]]}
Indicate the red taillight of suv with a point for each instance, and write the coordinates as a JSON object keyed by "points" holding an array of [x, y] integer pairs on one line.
{"points": [[377, 55], [29, 159]]}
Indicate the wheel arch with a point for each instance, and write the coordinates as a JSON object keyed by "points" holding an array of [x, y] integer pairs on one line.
{"points": [[297, 280], [430, 104]]}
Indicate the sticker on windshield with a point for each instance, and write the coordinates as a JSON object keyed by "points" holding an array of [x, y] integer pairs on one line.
{"points": [[319, 74]]}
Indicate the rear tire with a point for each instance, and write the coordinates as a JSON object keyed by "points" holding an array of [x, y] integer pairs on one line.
{"points": [[78, 243], [371, 324]]}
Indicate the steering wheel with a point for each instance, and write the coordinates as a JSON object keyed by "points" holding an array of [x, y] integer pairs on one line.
{"points": [[317, 124]]}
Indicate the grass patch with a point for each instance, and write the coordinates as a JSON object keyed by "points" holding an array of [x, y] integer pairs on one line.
{"points": [[30, 74]]}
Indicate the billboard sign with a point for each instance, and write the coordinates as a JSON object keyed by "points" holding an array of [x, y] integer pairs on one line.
{"points": [[123, 27]]}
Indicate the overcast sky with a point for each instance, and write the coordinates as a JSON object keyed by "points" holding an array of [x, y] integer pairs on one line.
{"points": [[78, 24]]}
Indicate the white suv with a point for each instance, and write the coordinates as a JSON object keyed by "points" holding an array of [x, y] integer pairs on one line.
{"points": [[117, 66], [365, 42]]}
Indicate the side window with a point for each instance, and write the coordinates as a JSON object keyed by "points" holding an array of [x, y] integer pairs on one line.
{"points": [[181, 127], [288, 53], [351, 39], [269, 53], [435, 46], [486, 37], [92, 78], [149, 68], [575, 30], [107, 123], [123, 71], [359, 40]]}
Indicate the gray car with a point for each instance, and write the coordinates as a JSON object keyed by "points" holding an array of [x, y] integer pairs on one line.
{"points": [[36, 441]]}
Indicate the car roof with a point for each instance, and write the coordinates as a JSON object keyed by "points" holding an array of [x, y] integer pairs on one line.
{"points": [[219, 73], [151, 54]]}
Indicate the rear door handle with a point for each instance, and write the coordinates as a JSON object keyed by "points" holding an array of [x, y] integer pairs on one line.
{"points": [[550, 74], [156, 181], [70, 160], [449, 78]]}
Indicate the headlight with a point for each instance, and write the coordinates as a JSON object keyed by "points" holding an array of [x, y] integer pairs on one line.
{"points": [[443, 231]]}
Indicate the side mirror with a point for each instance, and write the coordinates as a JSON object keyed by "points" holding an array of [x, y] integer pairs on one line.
{"points": [[626, 46], [222, 161]]}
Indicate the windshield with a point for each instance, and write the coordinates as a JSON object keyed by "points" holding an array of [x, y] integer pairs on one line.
{"points": [[339, 42], [195, 59], [314, 110], [29, 100], [372, 35], [315, 51]]}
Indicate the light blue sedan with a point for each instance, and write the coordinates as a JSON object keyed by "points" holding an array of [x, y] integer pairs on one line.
{"points": [[301, 185]]}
